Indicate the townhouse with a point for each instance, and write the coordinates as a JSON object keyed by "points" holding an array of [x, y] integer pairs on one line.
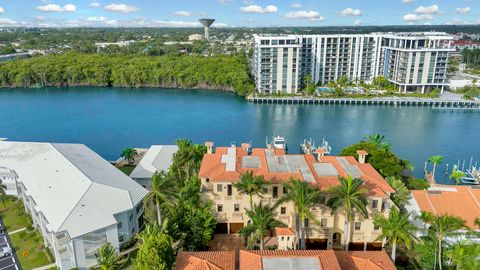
{"points": [[77, 200], [460, 201], [411, 61], [284, 260], [223, 166]]}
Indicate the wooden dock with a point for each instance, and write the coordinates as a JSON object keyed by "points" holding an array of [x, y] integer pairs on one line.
{"points": [[395, 101]]}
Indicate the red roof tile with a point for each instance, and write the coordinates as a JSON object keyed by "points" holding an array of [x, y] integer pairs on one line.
{"points": [[214, 169], [208, 260], [461, 201]]}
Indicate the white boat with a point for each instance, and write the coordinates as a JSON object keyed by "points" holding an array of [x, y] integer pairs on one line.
{"points": [[278, 142]]}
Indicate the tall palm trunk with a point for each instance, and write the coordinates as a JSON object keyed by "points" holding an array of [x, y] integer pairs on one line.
{"points": [[159, 215], [433, 171], [251, 202], [297, 230], [394, 250], [345, 229], [262, 239], [440, 254], [302, 240]]}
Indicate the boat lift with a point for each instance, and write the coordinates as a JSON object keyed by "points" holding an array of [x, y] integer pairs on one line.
{"points": [[308, 147], [472, 173]]}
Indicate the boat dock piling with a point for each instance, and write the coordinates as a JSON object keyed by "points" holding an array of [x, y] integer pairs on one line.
{"points": [[396, 101]]}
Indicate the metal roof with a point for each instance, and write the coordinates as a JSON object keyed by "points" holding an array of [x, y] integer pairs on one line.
{"points": [[350, 169], [71, 185], [157, 158], [325, 169], [291, 263]]}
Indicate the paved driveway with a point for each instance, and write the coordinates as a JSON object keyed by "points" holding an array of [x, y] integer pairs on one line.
{"points": [[9, 262]]}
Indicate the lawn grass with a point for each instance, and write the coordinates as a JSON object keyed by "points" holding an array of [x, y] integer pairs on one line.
{"points": [[127, 169], [28, 246], [10, 213]]}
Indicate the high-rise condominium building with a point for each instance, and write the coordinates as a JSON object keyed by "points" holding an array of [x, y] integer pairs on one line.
{"points": [[412, 61]]}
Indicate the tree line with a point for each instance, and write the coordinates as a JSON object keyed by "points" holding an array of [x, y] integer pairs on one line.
{"points": [[77, 69]]}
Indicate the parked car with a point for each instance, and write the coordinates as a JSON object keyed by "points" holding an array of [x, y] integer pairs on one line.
{"points": [[5, 251]]}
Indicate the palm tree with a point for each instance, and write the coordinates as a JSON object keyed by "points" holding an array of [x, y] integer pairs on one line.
{"points": [[129, 154], [477, 222], [424, 217], [3, 193], [377, 140], [304, 196], [457, 175], [396, 229], [250, 185], [262, 220], [107, 258], [435, 160], [442, 226], [402, 194], [350, 195], [464, 255], [163, 190], [187, 159]]}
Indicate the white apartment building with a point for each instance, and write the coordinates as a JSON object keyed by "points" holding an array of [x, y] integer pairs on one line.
{"points": [[158, 158], [77, 200], [412, 61]]}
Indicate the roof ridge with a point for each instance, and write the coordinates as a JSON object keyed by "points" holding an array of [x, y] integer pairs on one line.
{"points": [[473, 196], [430, 203], [82, 172], [73, 208]]}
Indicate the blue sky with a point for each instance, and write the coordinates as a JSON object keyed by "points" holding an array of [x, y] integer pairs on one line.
{"points": [[184, 13]]}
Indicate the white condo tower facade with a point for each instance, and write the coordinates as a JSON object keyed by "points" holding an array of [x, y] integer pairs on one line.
{"points": [[412, 61]]}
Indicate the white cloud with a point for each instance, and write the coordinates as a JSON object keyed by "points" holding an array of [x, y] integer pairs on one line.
{"points": [[358, 22], [259, 9], [96, 19], [2, 10], [351, 12], [182, 13], [6, 21], [296, 5], [416, 17], [433, 9], [408, 1], [94, 4], [310, 15], [57, 8], [464, 10], [122, 8]]}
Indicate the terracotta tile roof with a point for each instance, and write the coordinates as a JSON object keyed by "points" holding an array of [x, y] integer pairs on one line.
{"points": [[208, 260], [284, 231], [461, 201], [215, 170], [364, 260], [328, 259], [252, 259]]}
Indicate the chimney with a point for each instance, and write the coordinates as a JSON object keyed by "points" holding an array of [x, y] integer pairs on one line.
{"points": [[320, 153], [246, 147], [269, 146], [362, 155], [209, 146]]}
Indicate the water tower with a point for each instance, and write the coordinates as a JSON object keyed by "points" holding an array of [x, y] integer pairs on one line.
{"points": [[206, 23]]}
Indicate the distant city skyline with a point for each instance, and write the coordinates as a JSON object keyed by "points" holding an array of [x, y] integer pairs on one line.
{"points": [[236, 13]]}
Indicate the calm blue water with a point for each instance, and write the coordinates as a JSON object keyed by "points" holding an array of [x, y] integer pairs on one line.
{"points": [[108, 120]]}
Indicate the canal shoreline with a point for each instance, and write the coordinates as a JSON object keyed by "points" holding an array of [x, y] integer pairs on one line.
{"points": [[449, 100]]}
